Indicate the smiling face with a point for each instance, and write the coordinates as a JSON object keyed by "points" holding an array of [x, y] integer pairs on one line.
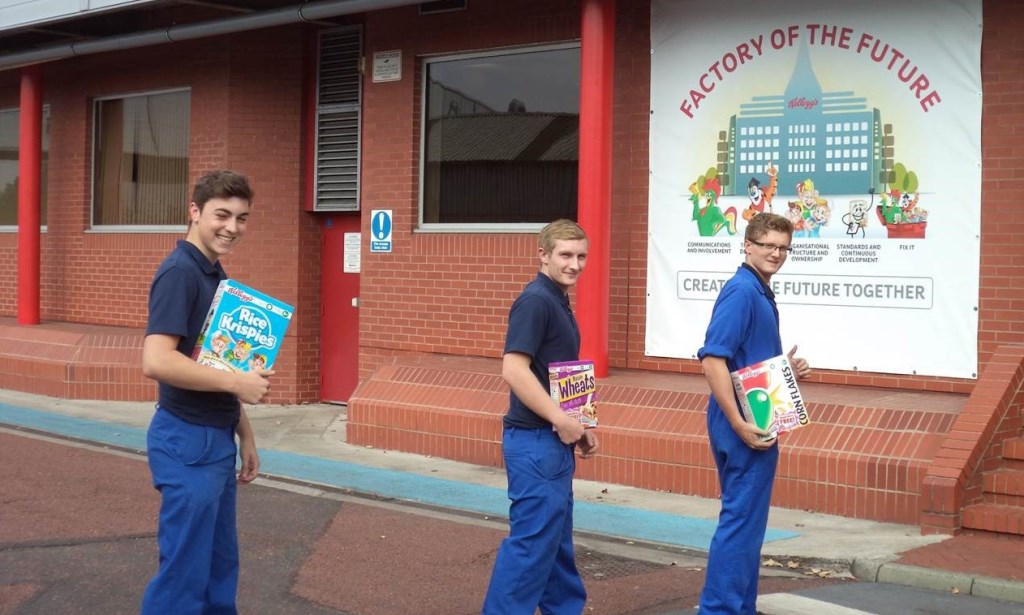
{"points": [[767, 261], [754, 192], [218, 226], [821, 214], [241, 351], [564, 262]]}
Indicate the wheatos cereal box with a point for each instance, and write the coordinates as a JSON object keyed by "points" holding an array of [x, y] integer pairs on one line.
{"points": [[574, 388], [244, 329]]}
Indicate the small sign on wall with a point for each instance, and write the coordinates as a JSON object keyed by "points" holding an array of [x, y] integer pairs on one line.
{"points": [[352, 257], [380, 230], [387, 66]]}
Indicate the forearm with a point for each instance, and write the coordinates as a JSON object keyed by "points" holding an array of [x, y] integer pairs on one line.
{"points": [[716, 372], [515, 370], [528, 389], [175, 369], [246, 435]]}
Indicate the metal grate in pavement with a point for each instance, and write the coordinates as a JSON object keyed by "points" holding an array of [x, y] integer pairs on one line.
{"points": [[597, 566]]}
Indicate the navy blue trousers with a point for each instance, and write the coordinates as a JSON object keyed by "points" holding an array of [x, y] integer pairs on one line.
{"points": [[193, 467], [536, 564], [734, 560]]}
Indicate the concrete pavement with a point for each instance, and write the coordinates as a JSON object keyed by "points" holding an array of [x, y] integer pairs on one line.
{"points": [[303, 448]]}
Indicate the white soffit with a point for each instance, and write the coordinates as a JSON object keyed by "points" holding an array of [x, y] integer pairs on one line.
{"points": [[21, 13]]}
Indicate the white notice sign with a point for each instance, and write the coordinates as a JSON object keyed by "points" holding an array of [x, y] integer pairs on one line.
{"points": [[352, 245], [387, 66]]}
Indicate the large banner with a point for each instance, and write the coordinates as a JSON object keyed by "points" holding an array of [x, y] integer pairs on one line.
{"points": [[861, 122]]}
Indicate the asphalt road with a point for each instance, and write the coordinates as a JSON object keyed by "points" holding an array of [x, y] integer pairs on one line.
{"points": [[77, 535]]}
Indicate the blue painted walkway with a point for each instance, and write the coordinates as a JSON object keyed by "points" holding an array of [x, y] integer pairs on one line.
{"points": [[608, 519]]}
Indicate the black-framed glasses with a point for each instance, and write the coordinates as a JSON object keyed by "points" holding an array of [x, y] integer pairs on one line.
{"points": [[771, 247]]}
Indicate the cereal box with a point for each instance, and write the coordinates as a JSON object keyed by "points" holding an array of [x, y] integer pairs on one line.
{"points": [[244, 329], [573, 387], [769, 396]]}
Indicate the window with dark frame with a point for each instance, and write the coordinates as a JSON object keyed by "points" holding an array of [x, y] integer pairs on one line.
{"points": [[501, 137], [140, 160], [10, 120]]}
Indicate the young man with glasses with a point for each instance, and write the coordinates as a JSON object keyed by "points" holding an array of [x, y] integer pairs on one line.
{"points": [[744, 330]]}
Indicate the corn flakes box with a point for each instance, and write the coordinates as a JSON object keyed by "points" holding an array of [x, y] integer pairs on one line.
{"points": [[769, 396], [243, 330]]}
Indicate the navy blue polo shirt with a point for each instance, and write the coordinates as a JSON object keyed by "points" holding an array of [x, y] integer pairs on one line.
{"points": [[542, 326], [744, 326], [179, 300]]}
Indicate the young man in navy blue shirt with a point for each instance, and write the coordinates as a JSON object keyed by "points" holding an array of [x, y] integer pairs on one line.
{"points": [[191, 439], [536, 565], [744, 330]]}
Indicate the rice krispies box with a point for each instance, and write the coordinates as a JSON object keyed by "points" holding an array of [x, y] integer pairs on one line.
{"points": [[769, 396], [243, 330]]}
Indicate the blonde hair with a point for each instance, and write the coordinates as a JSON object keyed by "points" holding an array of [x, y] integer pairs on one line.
{"points": [[560, 230]]}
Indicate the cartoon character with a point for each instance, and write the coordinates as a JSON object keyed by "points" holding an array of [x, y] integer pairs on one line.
{"points": [[820, 216], [760, 197], [908, 204], [899, 210], [806, 203], [257, 362], [240, 352], [795, 214], [857, 218], [219, 344], [888, 208], [710, 219]]}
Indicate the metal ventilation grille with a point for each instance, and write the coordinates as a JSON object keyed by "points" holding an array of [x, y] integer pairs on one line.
{"points": [[337, 160], [339, 95]]}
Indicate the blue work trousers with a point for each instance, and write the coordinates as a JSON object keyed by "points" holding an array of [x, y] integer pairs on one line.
{"points": [[536, 564], [193, 467], [734, 560]]}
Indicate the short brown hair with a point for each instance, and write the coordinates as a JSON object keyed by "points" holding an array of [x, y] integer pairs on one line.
{"points": [[562, 229], [764, 223], [221, 184]]}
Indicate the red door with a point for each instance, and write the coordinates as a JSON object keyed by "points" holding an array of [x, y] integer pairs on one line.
{"points": [[339, 292]]}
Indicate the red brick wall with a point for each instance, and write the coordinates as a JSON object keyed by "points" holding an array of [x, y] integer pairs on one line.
{"points": [[449, 293], [244, 117], [1002, 138], [440, 293], [436, 293]]}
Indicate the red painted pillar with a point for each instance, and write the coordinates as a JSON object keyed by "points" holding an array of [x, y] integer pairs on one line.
{"points": [[595, 178], [30, 155]]}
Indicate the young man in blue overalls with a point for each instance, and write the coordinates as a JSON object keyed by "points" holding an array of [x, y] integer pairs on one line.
{"points": [[536, 565], [744, 330], [191, 439]]}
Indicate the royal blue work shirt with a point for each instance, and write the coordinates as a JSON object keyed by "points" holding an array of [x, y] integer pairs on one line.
{"points": [[744, 326], [541, 325], [179, 300]]}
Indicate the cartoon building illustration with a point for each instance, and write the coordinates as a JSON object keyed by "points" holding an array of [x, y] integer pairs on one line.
{"points": [[834, 137]]}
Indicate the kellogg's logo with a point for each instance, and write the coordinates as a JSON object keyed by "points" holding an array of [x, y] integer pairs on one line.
{"points": [[802, 103]]}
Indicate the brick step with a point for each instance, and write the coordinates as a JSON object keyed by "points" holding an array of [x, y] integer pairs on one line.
{"points": [[1001, 499], [1013, 449], [994, 518], [1004, 481]]}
